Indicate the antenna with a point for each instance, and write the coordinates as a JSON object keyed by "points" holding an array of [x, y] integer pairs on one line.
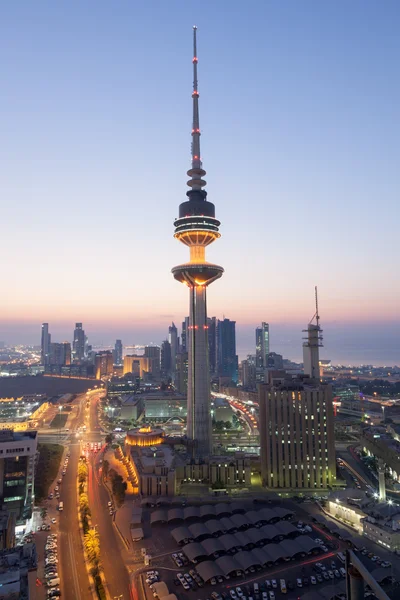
{"points": [[316, 314], [316, 306], [196, 172]]}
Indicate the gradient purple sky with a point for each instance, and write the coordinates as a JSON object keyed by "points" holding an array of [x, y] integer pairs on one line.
{"points": [[300, 115]]}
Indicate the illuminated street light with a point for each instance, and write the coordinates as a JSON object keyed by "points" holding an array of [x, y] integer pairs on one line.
{"points": [[390, 502]]}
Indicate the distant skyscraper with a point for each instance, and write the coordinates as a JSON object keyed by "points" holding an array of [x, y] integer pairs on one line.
{"points": [[249, 372], [60, 354], [154, 354], [173, 340], [118, 352], [78, 345], [181, 380], [226, 348], [312, 345], [103, 364], [275, 361], [197, 227], [166, 360], [262, 346], [212, 345], [45, 344], [185, 335], [297, 445]]}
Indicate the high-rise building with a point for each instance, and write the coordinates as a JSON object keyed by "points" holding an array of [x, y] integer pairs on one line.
{"points": [[173, 340], [312, 344], [118, 353], [45, 344], [60, 354], [297, 445], [249, 372], [165, 360], [103, 364], [197, 227], [185, 335], [78, 345], [262, 346], [137, 365], [17, 471], [212, 345], [275, 361], [154, 354], [227, 360], [181, 380]]}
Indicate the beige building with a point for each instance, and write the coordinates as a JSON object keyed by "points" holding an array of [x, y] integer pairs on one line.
{"points": [[228, 471], [384, 534], [297, 447], [154, 469], [158, 471], [351, 514], [137, 365]]}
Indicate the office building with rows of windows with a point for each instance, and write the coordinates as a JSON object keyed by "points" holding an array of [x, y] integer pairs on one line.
{"points": [[297, 436]]}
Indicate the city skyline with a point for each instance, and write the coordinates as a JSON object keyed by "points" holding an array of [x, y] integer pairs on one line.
{"points": [[320, 128], [355, 347]]}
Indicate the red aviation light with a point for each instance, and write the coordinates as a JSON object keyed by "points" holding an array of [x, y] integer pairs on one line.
{"points": [[195, 59]]}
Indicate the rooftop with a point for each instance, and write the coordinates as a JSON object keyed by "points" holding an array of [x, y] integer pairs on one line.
{"points": [[8, 435]]}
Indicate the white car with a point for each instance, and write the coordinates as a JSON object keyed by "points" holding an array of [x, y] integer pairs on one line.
{"points": [[313, 580], [233, 594], [239, 592], [54, 520], [274, 584]]}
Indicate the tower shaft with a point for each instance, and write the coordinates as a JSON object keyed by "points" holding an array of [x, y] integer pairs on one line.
{"points": [[198, 400], [197, 228]]}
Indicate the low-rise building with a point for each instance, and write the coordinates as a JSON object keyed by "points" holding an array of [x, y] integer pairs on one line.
{"points": [[221, 410], [131, 407], [17, 470], [18, 573], [386, 534], [160, 406]]}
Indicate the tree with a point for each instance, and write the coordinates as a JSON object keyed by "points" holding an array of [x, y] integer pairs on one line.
{"points": [[109, 438], [106, 467], [82, 472], [96, 568], [228, 425], [83, 502], [92, 545], [43, 513]]}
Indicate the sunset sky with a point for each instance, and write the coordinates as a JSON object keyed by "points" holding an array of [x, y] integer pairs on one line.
{"points": [[300, 120]]}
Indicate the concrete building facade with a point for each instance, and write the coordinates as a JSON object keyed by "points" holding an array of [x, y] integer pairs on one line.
{"points": [[17, 471], [297, 436]]}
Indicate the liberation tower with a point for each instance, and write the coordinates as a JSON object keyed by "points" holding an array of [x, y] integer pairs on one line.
{"points": [[197, 227]]}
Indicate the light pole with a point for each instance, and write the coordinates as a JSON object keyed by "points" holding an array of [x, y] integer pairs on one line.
{"points": [[59, 416], [383, 412]]}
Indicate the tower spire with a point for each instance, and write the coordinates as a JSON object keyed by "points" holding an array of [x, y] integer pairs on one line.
{"points": [[196, 172]]}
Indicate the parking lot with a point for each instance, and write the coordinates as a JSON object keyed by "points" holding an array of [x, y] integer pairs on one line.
{"points": [[266, 553]]}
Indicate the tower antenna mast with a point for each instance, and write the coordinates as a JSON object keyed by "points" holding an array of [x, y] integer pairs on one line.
{"points": [[316, 314], [316, 306]]}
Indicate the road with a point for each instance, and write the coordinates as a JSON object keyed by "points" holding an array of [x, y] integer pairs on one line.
{"points": [[73, 574], [115, 572]]}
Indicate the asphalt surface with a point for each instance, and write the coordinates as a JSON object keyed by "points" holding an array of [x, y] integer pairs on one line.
{"points": [[115, 572], [73, 574]]}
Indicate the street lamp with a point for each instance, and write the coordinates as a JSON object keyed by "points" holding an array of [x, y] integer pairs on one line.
{"points": [[60, 409]]}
